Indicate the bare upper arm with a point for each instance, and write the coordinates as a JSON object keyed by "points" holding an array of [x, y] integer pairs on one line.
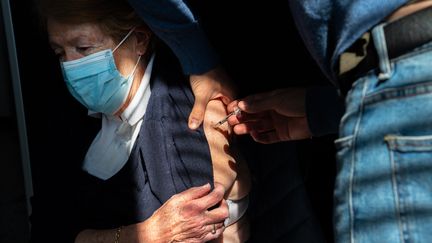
{"points": [[226, 162]]}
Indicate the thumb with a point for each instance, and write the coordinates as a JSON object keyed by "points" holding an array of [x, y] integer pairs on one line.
{"points": [[257, 103], [197, 114]]}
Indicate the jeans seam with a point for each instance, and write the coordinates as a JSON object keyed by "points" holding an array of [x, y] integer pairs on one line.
{"points": [[422, 88], [353, 158], [349, 112], [396, 191]]}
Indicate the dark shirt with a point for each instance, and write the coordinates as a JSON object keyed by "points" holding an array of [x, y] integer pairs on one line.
{"points": [[328, 27], [174, 23]]}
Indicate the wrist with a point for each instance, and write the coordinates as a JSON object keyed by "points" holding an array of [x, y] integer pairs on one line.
{"points": [[137, 233], [118, 232], [129, 234]]}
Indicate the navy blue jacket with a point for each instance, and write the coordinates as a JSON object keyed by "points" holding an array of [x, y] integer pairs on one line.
{"points": [[167, 157]]}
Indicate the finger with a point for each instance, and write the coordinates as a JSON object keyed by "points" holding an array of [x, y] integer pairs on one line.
{"points": [[259, 102], [197, 114], [257, 126], [195, 192], [213, 198], [226, 99], [244, 117], [232, 106], [233, 120], [218, 214], [214, 235], [241, 129]]}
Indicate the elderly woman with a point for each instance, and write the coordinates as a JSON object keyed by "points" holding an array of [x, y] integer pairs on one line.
{"points": [[145, 163]]}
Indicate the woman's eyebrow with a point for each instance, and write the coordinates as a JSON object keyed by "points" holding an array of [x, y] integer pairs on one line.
{"points": [[80, 38]]}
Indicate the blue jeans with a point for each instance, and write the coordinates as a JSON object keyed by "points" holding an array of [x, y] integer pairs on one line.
{"points": [[383, 189]]}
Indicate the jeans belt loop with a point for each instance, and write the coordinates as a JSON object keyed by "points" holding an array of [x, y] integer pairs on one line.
{"points": [[380, 43], [392, 40]]}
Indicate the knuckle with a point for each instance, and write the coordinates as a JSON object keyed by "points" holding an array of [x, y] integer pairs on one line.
{"points": [[225, 213], [175, 198], [219, 192], [192, 209]]}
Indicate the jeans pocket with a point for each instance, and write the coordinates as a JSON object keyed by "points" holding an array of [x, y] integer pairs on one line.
{"points": [[411, 161], [343, 142], [343, 148], [343, 145]]}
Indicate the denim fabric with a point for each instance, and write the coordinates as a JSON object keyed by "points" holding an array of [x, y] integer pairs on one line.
{"points": [[329, 27], [383, 189]]}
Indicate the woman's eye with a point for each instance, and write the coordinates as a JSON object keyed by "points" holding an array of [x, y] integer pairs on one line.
{"points": [[84, 49]]}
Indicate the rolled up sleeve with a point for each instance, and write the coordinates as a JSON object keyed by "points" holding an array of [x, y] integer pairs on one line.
{"points": [[324, 110], [174, 23]]}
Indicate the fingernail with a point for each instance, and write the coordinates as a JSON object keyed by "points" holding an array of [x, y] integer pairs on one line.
{"points": [[241, 105], [194, 124]]}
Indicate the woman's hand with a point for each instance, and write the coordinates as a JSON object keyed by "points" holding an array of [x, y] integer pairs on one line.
{"points": [[214, 84], [272, 117], [183, 218]]}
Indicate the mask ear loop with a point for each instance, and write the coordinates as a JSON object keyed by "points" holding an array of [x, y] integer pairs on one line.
{"points": [[124, 39], [121, 42], [136, 65]]}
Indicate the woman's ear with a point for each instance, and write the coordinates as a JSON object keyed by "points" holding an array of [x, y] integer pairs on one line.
{"points": [[143, 37]]}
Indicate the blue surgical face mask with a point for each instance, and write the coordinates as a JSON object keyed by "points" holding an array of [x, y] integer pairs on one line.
{"points": [[95, 81]]}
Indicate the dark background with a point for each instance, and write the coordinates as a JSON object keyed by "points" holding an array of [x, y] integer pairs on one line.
{"points": [[260, 48], [13, 209]]}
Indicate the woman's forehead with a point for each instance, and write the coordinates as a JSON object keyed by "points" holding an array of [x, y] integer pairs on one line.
{"points": [[61, 32]]}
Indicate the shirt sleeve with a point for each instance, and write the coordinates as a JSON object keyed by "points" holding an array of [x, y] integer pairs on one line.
{"points": [[324, 110], [173, 22]]}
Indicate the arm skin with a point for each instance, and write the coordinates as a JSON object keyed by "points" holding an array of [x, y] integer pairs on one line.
{"points": [[229, 168]]}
